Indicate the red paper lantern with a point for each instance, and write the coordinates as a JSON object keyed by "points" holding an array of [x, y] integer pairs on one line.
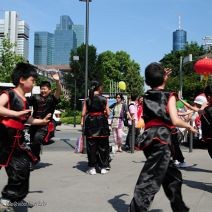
{"points": [[203, 66]]}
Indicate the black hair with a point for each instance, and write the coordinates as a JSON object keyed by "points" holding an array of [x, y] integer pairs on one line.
{"points": [[208, 90], [154, 75], [121, 96], [45, 83], [94, 87], [24, 70], [133, 97]]}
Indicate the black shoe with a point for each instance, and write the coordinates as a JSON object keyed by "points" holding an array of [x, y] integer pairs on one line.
{"points": [[126, 148]]}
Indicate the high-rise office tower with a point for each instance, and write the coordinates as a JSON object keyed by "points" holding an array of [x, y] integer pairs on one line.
{"points": [[179, 38], [55, 49], [65, 40], [17, 31], [43, 48], [79, 31]]}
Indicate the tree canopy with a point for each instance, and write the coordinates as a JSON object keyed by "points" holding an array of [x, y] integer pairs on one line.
{"points": [[8, 60], [106, 67], [192, 83]]}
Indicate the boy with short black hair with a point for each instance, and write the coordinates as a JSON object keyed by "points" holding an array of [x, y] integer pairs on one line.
{"points": [[43, 103], [160, 116], [15, 155]]}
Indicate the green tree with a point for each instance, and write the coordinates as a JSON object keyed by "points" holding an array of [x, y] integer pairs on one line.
{"points": [[78, 73], [192, 85], [8, 60], [119, 67]]}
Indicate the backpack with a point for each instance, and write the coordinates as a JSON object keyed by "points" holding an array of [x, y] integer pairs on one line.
{"points": [[125, 118]]}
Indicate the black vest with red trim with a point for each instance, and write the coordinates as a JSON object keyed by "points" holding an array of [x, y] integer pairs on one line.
{"points": [[11, 129], [155, 108], [16, 103], [96, 123]]}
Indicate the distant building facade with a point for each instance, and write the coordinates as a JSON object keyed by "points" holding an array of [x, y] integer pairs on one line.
{"points": [[179, 38], [17, 31], [43, 48], [65, 41], [79, 31], [66, 37], [207, 43]]}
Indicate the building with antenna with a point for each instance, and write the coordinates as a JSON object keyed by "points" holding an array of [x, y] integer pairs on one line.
{"points": [[179, 38]]}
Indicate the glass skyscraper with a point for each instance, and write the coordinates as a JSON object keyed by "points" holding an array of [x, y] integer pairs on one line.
{"points": [[43, 48], [55, 49], [179, 39], [65, 40], [79, 31]]}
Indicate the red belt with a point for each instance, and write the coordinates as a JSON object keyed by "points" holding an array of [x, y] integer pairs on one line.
{"points": [[96, 113], [13, 124], [157, 122]]}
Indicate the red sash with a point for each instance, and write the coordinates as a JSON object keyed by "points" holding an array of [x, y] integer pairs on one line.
{"points": [[13, 124]]}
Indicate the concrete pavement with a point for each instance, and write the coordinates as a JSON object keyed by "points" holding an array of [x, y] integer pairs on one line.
{"points": [[60, 183]]}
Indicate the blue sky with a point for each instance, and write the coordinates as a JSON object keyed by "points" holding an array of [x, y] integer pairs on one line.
{"points": [[142, 28]]}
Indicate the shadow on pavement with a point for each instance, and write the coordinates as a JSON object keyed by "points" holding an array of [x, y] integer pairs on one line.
{"points": [[67, 141], [82, 166], [195, 169], [41, 165], [199, 185], [118, 203]]}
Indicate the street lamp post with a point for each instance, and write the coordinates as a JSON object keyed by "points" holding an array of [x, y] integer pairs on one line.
{"points": [[75, 58], [86, 45], [183, 60], [86, 59]]}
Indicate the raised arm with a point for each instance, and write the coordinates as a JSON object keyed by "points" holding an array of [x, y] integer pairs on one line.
{"points": [[176, 121], [58, 91]]}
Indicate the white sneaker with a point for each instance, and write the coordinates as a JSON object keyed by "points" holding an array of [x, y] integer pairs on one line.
{"points": [[176, 162], [104, 171], [6, 206], [5, 202], [91, 171]]}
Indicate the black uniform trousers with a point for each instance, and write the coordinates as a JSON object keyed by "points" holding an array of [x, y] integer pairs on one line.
{"points": [[37, 136], [18, 172], [158, 170], [129, 136], [98, 152]]}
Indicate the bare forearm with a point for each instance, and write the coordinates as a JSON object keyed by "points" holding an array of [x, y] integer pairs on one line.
{"points": [[34, 121], [58, 89], [7, 112]]}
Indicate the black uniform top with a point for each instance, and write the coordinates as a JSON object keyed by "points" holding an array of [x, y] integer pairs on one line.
{"points": [[155, 106], [97, 104], [96, 123], [11, 136], [206, 124], [158, 125], [17, 103], [42, 106]]}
